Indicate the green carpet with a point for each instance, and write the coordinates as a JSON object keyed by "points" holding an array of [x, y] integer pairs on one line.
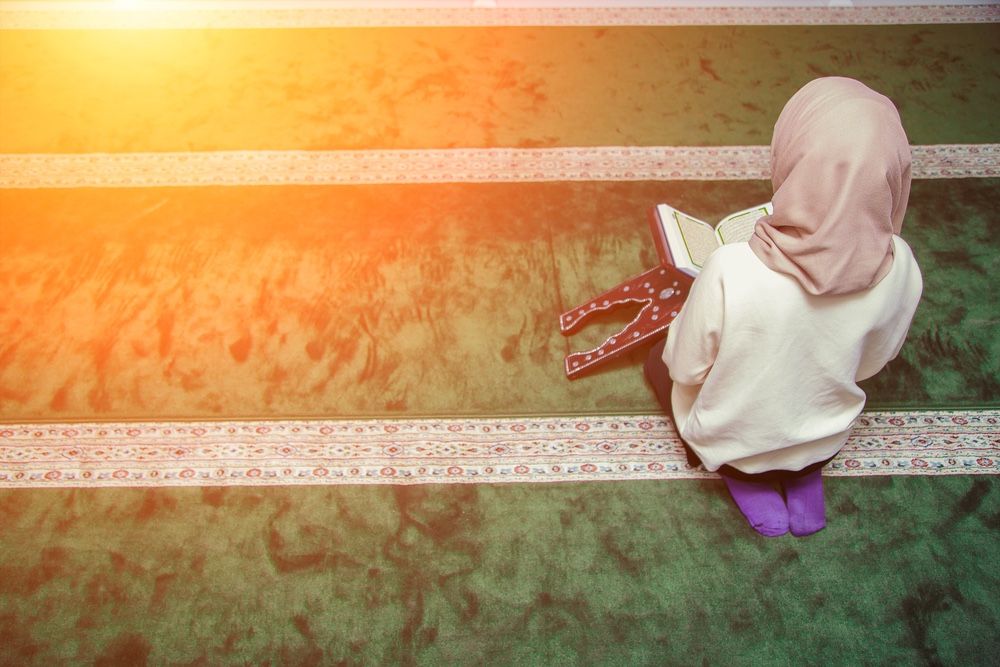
{"points": [[635, 573], [430, 300], [376, 301], [94, 91]]}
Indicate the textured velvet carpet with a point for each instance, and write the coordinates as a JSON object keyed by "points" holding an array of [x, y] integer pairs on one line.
{"points": [[93, 91], [393, 301], [399, 300], [174, 303], [633, 573]]}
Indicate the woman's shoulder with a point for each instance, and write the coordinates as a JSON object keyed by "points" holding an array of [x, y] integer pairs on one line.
{"points": [[730, 254], [736, 261], [734, 268]]}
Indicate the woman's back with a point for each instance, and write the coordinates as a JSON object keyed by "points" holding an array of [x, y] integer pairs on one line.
{"points": [[781, 392]]}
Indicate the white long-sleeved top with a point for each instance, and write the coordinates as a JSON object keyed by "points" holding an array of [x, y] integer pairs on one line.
{"points": [[765, 374]]}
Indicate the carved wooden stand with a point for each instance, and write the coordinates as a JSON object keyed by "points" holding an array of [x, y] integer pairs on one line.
{"points": [[661, 290]]}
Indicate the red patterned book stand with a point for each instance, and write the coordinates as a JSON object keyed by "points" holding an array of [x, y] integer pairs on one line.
{"points": [[661, 291]]}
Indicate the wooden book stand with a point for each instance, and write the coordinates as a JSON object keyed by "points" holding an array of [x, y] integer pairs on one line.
{"points": [[661, 291]]}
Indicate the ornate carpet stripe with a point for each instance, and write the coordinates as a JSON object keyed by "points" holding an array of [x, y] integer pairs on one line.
{"points": [[419, 451], [187, 15], [457, 165]]}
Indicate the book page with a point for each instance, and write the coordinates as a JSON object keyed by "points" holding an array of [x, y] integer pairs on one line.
{"points": [[699, 238], [739, 226]]}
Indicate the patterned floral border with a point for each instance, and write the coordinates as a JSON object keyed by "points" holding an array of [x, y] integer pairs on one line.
{"points": [[457, 165], [422, 451], [187, 15]]}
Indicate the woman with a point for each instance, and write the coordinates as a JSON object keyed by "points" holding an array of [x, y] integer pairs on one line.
{"points": [[766, 353]]}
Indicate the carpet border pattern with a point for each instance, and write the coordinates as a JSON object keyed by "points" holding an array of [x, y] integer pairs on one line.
{"points": [[445, 165], [243, 15], [435, 451]]}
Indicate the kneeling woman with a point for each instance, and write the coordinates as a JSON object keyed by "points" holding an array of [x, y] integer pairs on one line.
{"points": [[760, 368]]}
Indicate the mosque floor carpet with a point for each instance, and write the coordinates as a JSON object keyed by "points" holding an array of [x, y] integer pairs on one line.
{"points": [[238, 300]]}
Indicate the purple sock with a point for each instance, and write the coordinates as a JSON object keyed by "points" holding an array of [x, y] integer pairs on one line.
{"points": [[761, 504], [806, 510]]}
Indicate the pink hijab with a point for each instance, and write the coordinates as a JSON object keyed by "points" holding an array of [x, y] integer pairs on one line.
{"points": [[840, 167]]}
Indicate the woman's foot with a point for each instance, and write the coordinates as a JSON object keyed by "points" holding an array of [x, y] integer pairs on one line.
{"points": [[806, 509], [761, 504]]}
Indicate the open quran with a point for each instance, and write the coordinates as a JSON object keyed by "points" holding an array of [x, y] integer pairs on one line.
{"points": [[686, 242]]}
